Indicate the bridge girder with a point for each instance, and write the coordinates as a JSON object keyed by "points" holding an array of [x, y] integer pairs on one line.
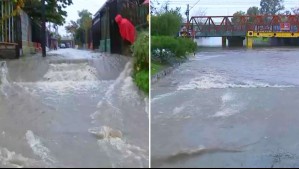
{"points": [[211, 26]]}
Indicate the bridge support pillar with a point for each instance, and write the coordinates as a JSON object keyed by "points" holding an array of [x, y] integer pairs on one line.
{"points": [[249, 41], [235, 41], [223, 41]]}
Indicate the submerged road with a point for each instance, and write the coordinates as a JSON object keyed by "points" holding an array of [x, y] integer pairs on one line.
{"points": [[228, 108], [72, 109]]}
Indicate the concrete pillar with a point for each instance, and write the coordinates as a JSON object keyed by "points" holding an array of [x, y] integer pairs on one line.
{"points": [[223, 41], [249, 42], [235, 41]]}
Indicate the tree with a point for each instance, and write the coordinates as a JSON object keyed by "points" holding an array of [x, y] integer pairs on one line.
{"points": [[252, 11], [271, 7], [72, 28], [287, 12], [55, 10], [167, 22], [236, 17], [85, 22], [295, 11], [153, 4]]}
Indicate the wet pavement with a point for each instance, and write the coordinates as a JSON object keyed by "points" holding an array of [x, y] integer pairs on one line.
{"points": [[72, 109]]}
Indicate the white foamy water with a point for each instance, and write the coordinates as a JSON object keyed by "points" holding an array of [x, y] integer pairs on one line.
{"points": [[38, 148], [3, 78], [146, 101], [220, 82], [178, 110], [123, 75], [201, 57], [70, 53], [63, 88], [162, 96], [230, 106], [112, 113], [128, 155], [11, 159], [107, 101], [227, 97], [63, 79], [124, 154], [71, 72], [129, 89], [226, 112]]}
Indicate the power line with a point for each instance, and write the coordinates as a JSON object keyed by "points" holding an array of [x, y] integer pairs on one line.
{"points": [[194, 5]]}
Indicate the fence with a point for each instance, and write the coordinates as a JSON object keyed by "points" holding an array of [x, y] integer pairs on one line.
{"points": [[7, 22]]}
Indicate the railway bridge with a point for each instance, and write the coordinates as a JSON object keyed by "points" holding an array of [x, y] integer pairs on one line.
{"points": [[237, 28]]}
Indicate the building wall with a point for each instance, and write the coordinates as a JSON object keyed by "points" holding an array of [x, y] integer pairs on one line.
{"points": [[17, 29], [28, 47]]}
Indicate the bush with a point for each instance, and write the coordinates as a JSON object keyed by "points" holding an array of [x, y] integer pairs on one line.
{"points": [[141, 79], [166, 49], [141, 61], [163, 56], [167, 23]]}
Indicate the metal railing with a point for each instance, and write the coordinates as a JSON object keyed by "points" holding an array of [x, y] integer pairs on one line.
{"points": [[7, 29]]}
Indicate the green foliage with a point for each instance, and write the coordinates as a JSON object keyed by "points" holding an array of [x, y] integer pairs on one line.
{"points": [[253, 11], [156, 67], [85, 22], [180, 47], [236, 17], [141, 79], [55, 10], [271, 7], [167, 23], [72, 28], [79, 36], [141, 61], [79, 29]]}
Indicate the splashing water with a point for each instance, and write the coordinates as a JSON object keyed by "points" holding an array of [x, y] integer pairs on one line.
{"points": [[13, 160], [111, 112], [38, 148], [3, 78]]}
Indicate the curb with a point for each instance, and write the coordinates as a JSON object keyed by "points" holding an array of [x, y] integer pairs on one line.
{"points": [[155, 78]]}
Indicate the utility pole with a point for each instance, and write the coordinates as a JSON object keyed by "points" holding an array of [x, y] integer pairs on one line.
{"points": [[187, 13], [43, 43]]}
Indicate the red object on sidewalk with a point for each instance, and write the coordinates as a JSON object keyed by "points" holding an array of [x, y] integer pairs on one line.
{"points": [[126, 29]]}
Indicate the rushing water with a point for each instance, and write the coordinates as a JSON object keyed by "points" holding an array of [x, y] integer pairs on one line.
{"points": [[72, 109], [228, 108]]}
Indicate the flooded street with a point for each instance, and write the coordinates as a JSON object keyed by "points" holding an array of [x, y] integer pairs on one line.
{"points": [[228, 108], [72, 109]]}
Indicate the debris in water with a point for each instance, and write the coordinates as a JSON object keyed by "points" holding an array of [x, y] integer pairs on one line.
{"points": [[105, 132]]}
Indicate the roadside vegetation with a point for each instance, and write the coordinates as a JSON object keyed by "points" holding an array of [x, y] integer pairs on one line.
{"points": [[141, 61], [167, 48]]}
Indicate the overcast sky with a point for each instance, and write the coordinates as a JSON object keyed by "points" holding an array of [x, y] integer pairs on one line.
{"points": [[91, 5], [211, 7], [220, 7]]}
